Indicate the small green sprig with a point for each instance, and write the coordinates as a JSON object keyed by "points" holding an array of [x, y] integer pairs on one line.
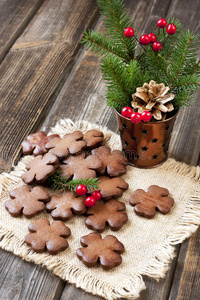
{"points": [[57, 182]]}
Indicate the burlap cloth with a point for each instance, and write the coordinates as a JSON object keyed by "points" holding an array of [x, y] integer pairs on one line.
{"points": [[149, 243]]}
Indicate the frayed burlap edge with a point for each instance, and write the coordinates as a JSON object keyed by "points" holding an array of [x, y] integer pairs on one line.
{"points": [[159, 264]]}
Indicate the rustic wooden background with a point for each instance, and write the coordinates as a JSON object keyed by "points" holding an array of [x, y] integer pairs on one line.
{"points": [[45, 75]]}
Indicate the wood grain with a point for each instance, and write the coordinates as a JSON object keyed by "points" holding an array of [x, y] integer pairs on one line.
{"points": [[187, 276], [14, 17], [23, 280], [183, 141], [34, 68]]}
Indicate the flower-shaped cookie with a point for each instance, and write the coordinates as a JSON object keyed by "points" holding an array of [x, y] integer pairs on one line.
{"points": [[93, 138], [62, 208], [114, 163], [80, 167], [45, 236], [40, 168], [27, 201], [112, 187], [106, 250], [71, 143], [146, 203], [35, 143], [111, 213]]}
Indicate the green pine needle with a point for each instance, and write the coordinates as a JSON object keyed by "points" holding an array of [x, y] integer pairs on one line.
{"points": [[57, 182]]}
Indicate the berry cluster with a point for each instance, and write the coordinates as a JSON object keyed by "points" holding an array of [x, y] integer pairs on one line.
{"points": [[90, 201], [151, 38], [135, 116]]}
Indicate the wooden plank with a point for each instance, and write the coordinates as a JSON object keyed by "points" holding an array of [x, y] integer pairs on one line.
{"points": [[14, 17], [26, 281], [187, 276], [183, 140], [34, 68], [71, 292]]}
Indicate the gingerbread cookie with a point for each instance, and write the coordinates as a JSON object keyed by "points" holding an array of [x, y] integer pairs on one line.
{"points": [[71, 143], [112, 187], [62, 208], [114, 163], [80, 167], [93, 138], [111, 213], [45, 236], [40, 168], [27, 201], [146, 203], [107, 250], [35, 143]]}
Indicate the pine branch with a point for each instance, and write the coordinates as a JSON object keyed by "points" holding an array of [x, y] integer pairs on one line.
{"points": [[182, 59], [113, 69], [115, 21], [122, 80], [57, 182], [102, 45]]}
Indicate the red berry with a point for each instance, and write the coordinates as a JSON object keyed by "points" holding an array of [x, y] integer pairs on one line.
{"points": [[97, 195], [81, 189], [171, 29], [153, 37], [144, 39], [129, 32], [157, 46], [162, 23], [90, 201], [136, 117], [146, 116], [126, 111]]}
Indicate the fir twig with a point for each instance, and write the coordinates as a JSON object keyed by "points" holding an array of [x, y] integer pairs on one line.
{"points": [[100, 44], [57, 182]]}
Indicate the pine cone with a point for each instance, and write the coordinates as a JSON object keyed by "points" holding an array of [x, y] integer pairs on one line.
{"points": [[155, 98]]}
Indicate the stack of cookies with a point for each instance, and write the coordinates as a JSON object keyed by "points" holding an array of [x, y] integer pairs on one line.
{"points": [[78, 156]]}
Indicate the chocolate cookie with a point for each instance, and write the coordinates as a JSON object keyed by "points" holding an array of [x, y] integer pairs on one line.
{"points": [[62, 208], [107, 250], [112, 187], [114, 163], [35, 143], [27, 201], [146, 203], [71, 143], [111, 213], [40, 168], [80, 167], [45, 236], [93, 138]]}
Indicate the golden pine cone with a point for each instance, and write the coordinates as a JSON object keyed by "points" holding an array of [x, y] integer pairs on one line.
{"points": [[155, 98]]}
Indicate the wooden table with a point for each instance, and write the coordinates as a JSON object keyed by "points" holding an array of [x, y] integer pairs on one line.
{"points": [[46, 75]]}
